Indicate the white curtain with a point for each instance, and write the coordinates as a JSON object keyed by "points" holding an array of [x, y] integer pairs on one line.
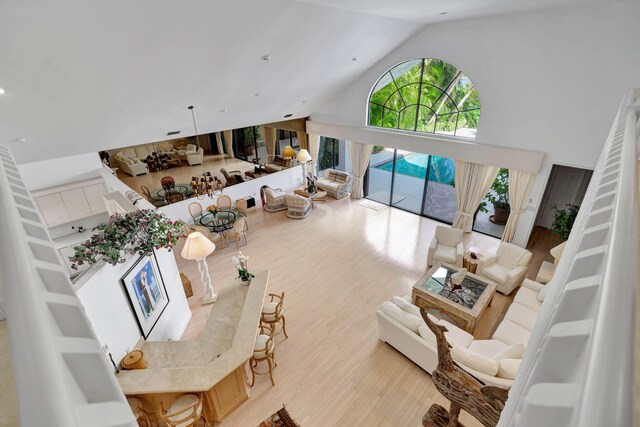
{"points": [[360, 154], [219, 141], [519, 186], [228, 142], [473, 182], [269, 135], [314, 150]]}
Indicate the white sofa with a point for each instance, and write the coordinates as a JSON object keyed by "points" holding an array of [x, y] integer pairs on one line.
{"points": [[507, 267], [336, 183], [403, 329], [128, 162], [446, 246]]}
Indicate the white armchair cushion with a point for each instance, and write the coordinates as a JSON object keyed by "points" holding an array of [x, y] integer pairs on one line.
{"points": [[448, 236], [521, 316], [511, 333], [407, 320], [542, 294], [407, 306], [496, 272], [513, 256], [259, 349], [446, 254], [489, 348], [508, 368], [514, 351], [475, 361], [528, 298]]}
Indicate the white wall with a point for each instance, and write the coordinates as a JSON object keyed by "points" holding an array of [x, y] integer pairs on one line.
{"points": [[107, 307], [286, 179], [549, 81], [49, 173]]}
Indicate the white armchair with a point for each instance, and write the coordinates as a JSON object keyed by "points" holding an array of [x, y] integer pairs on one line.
{"points": [[298, 207], [507, 267], [275, 200], [190, 149], [197, 158], [446, 246]]}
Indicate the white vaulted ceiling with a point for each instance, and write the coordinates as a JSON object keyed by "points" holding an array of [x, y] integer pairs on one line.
{"points": [[431, 11], [81, 76]]}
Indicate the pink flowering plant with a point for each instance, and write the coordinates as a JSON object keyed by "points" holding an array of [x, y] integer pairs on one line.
{"points": [[138, 232]]}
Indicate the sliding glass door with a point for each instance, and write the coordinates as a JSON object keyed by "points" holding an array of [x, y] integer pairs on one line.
{"points": [[379, 174], [408, 180], [440, 197]]}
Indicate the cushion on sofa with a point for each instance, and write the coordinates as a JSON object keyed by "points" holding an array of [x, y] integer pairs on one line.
{"points": [[514, 351], [130, 161], [407, 306], [488, 348], [528, 298], [407, 320], [510, 333], [475, 361], [521, 316], [342, 177], [446, 253], [508, 368], [330, 174]]}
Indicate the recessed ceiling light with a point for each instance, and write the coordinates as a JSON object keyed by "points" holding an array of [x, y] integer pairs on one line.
{"points": [[257, 94], [173, 132], [355, 58], [266, 57], [288, 115], [1, 91], [443, 13], [224, 110]]}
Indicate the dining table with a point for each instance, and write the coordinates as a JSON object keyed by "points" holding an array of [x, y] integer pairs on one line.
{"points": [[219, 221], [160, 193]]}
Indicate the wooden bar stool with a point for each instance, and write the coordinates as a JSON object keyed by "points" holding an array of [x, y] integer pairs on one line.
{"points": [[185, 411], [264, 349], [272, 313], [138, 411]]}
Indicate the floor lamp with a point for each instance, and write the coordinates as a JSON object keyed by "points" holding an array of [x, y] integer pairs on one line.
{"points": [[197, 248], [304, 157]]}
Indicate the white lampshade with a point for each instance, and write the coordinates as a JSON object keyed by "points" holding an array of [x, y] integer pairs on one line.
{"points": [[304, 156], [556, 252], [197, 246]]}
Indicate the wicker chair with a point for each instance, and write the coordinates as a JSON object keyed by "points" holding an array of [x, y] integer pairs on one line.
{"points": [[275, 199], [239, 230], [195, 210], [298, 207]]}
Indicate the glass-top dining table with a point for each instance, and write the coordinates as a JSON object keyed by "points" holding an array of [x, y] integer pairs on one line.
{"points": [[160, 193], [218, 222]]}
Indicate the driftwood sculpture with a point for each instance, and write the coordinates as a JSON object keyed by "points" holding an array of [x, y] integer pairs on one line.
{"points": [[485, 403]]}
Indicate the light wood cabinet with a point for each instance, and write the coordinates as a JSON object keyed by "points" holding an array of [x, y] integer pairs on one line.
{"points": [[71, 202]]}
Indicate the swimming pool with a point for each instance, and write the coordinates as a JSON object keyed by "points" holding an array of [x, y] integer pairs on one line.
{"points": [[415, 164]]}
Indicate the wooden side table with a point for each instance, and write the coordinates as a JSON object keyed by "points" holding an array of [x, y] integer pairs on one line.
{"points": [[469, 263], [186, 285]]}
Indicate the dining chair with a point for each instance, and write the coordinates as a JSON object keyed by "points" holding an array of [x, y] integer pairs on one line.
{"points": [[231, 178], [147, 195], [195, 210], [263, 350], [239, 230], [168, 182], [173, 197], [224, 202], [207, 233], [185, 411]]}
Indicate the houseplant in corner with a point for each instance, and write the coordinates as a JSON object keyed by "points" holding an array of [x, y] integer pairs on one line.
{"points": [[499, 197], [138, 232], [563, 220]]}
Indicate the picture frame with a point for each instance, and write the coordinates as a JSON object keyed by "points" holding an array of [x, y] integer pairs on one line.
{"points": [[146, 292]]}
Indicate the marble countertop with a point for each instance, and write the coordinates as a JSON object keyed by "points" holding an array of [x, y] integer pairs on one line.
{"points": [[226, 343]]}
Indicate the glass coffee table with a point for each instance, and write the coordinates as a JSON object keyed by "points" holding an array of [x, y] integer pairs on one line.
{"points": [[464, 304]]}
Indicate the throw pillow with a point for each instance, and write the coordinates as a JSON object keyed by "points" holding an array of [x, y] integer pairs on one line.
{"points": [[130, 161], [514, 351], [407, 320], [341, 177], [542, 294], [508, 368], [407, 306], [475, 360]]}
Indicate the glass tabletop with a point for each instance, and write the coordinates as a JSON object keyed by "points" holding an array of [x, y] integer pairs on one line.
{"points": [[218, 222], [160, 193], [465, 294]]}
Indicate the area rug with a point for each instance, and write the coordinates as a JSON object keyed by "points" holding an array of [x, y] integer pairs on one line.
{"points": [[372, 205], [279, 419]]}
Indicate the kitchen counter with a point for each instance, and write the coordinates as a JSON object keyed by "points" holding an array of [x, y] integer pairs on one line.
{"points": [[214, 361]]}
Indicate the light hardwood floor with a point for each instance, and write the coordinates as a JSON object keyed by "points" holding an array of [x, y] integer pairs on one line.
{"points": [[337, 266]]}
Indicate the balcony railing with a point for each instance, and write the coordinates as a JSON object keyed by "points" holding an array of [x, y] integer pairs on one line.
{"points": [[62, 376], [578, 366]]}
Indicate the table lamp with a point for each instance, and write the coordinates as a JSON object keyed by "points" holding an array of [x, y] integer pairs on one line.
{"points": [[197, 247], [556, 252], [304, 157], [288, 152]]}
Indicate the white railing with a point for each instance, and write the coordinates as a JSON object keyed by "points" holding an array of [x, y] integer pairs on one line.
{"points": [[62, 376], [578, 366]]}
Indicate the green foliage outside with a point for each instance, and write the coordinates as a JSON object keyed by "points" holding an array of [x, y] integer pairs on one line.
{"points": [[329, 150], [499, 193], [377, 149], [563, 220], [446, 100]]}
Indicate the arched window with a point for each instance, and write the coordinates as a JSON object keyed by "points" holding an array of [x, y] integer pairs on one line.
{"points": [[425, 95]]}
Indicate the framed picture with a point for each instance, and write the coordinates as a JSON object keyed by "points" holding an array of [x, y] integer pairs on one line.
{"points": [[146, 291]]}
